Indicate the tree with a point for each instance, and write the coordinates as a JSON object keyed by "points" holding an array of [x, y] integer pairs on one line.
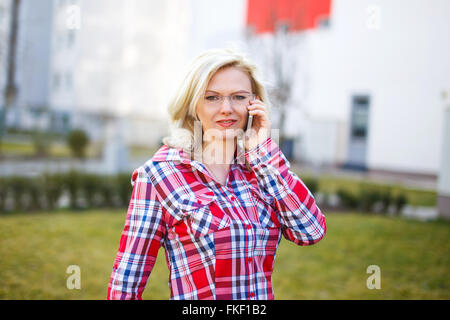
{"points": [[275, 35], [77, 141], [11, 88], [278, 56]]}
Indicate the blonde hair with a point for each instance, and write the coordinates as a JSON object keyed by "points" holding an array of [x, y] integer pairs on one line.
{"points": [[182, 106]]}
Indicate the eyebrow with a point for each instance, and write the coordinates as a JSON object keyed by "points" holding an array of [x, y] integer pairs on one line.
{"points": [[239, 91]]}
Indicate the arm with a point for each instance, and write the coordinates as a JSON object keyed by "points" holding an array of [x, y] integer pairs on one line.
{"points": [[301, 220], [141, 238]]}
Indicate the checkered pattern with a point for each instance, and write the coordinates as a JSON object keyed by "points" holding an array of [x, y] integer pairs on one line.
{"points": [[220, 241]]}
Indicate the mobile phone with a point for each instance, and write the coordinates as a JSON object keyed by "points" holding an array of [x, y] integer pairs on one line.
{"points": [[249, 123], [243, 136]]}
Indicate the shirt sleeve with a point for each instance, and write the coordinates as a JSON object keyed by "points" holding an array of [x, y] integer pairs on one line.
{"points": [[141, 238], [301, 219]]}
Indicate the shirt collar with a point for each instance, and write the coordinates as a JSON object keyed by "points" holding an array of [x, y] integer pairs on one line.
{"points": [[168, 154], [179, 155]]}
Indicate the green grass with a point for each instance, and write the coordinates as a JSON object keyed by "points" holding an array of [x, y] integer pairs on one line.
{"points": [[56, 150], [61, 150], [413, 256], [141, 152], [17, 149]]}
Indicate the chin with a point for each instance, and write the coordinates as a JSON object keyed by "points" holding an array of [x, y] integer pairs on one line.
{"points": [[232, 133], [222, 133]]}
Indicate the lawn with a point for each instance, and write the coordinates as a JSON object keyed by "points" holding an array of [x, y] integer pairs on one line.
{"points": [[56, 150], [59, 149], [413, 257]]}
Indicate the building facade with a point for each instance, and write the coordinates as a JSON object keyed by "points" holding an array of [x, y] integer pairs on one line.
{"points": [[367, 77], [370, 85], [82, 64], [32, 61]]}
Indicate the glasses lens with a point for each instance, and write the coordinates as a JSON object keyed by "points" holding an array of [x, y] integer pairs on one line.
{"points": [[212, 99], [236, 99], [241, 99]]}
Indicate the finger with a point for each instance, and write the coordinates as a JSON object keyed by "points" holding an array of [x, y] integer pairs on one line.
{"points": [[257, 112], [256, 101], [257, 106], [261, 110]]}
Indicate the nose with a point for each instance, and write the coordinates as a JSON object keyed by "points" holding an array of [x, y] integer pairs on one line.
{"points": [[226, 105]]}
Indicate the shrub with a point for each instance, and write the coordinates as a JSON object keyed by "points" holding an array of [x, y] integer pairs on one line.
{"points": [[88, 185], [385, 199], [368, 197], [78, 141], [3, 193], [372, 198], [347, 199], [53, 189], [18, 187], [311, 184], [107, 191], [124, 188], [110, 191], [84, 191], [72, 183], [400, 200], [35, 194]]}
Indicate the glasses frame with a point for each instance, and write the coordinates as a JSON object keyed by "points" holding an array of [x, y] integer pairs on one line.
{"points": [[218, 102]]}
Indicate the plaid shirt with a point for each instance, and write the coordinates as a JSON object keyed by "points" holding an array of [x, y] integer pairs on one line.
{"points": [[220, 241]]}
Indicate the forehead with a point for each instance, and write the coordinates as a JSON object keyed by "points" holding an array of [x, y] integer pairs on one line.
{"points": [[230, 79]]}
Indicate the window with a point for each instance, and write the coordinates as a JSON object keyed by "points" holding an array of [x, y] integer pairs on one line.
{"points": [[360, 117], [68, 80], [56, 81], [323, 22], [71, 34]]}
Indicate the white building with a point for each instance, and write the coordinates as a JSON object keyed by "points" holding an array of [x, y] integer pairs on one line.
{"points": [[91, 61], [116, 57], [32, 59], [370, 85], [380, 68], [368, 90]]}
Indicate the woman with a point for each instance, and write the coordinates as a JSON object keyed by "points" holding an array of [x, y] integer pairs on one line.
{"points": [[219, 210]]}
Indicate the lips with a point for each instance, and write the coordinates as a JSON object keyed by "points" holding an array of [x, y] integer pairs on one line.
{"points": [[226, 122]]}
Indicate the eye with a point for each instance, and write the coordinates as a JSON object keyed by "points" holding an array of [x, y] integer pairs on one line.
{"points": [[212, 98], [239, 97]]}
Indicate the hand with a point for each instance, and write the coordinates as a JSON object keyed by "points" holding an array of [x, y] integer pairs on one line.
{"points": [[260, 129]]}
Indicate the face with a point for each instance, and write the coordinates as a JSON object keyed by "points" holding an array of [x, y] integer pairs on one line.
{"points": [[225, 82]]}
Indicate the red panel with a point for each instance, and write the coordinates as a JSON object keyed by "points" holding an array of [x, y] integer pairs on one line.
{"points": [[264, 15], [258, 15]]}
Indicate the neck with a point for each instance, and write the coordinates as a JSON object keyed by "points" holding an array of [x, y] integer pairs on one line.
{"points": [[219, 152]]}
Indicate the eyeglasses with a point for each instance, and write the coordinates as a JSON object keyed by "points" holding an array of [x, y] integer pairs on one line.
{"points": [[238, 99]]}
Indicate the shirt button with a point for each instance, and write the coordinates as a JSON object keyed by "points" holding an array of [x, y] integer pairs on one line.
{"points": [[199, 201], [233, 198], [249, 226], [252, 295], [250, 260]]}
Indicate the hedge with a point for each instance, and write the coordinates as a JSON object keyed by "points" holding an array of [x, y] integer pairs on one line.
{"points": [[48, 192], [371, 198], [76, 190]]}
